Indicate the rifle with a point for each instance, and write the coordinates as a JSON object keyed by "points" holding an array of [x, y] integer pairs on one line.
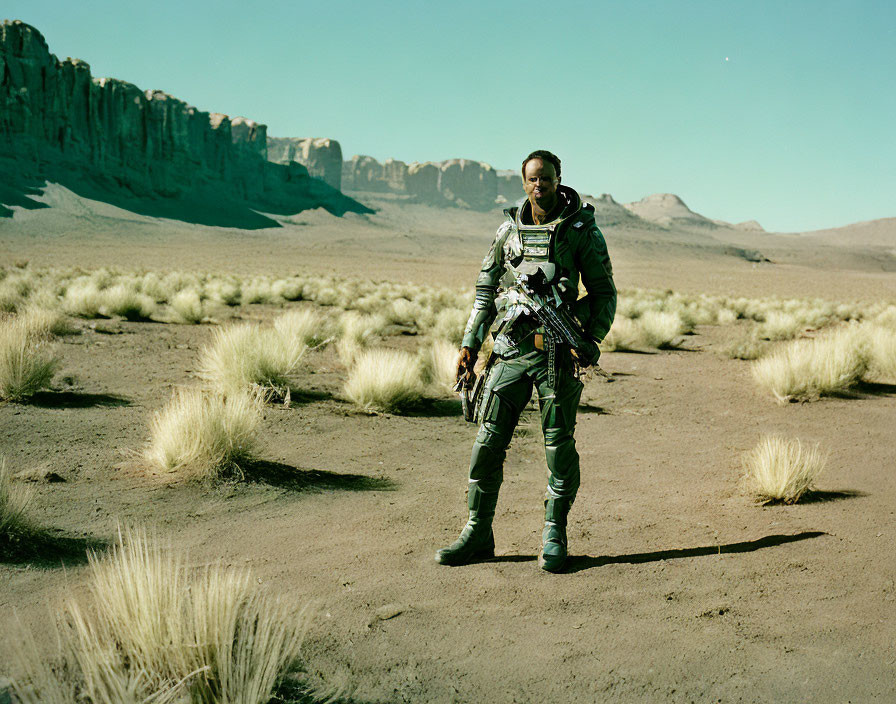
{"points": [[534, 281]]}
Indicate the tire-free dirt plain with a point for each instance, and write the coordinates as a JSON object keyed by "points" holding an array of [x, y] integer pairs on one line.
{"points": [[680, 587]]}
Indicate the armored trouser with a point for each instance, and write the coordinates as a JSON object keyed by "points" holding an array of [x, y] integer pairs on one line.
{"points": [[507, 391]]}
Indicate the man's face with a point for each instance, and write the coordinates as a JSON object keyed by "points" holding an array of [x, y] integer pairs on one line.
{"points": [[540, 183]]}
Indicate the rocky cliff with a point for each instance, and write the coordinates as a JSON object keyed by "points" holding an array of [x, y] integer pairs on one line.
{"points": [[465, 183], [144, 150], [322, 157]]}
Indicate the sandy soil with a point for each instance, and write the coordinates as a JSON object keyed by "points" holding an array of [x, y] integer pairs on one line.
{"points": [[680, 588]]}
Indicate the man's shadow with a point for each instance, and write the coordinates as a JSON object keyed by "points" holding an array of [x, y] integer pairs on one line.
{"points": [[577, 563], [585, 562]]}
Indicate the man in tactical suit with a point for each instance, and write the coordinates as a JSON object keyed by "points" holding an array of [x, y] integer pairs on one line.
{"points": [[552, 233]]}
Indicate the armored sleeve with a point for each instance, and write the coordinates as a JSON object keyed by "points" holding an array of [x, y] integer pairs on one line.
{"points": [[596, 271], [484, 310]]}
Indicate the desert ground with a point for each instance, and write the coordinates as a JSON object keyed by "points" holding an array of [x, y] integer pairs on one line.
{"points": [[680, 586]]}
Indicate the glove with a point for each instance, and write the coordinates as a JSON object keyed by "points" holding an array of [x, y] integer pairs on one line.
{"points": [[465, 363], [586, 360]]}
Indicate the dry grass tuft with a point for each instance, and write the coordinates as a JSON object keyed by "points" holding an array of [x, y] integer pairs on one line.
{"points": [[249, 355], [806, 369], [747, 347], [27, 360], [881, 343], [661, 330], [778, 469], [306, 326], [14, 523], [438, 366], [204, 435], [83, 299], [127, 302], [779, 325], [46, 324], [624, 335], [152, 629], [356, 332], [385, 380], [186, 307]]}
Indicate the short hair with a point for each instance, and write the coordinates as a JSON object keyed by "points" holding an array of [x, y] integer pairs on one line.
{"points": [[544, 155]]}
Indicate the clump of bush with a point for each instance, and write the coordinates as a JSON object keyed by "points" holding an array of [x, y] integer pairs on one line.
{"points": [[807, 369], [356, 332], [127, 302], [27, 358], [438, 366], [385, 380], [250, 355], [306, 325], [780, 469], [186, 307], [14, 522], [153, 629], [201, 434]]}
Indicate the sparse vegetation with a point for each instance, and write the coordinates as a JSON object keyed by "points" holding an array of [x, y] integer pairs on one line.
{"points": [[780, 326], [125, 301], [14, 523], [806, 369], [82, 299], [385, 380], [250, 355], [27, 360], [747, 347], [306, 326], [439, 366], [778, 469], [661, 329], [204, 435], [356, 334], [881, 343], [153, 629], [186, 306]]}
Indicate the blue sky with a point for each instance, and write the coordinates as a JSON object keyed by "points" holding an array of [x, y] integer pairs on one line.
{"points": [[780, 111]]}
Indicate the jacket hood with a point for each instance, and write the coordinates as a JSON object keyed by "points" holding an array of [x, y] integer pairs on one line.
{"points": [[568, 196]]}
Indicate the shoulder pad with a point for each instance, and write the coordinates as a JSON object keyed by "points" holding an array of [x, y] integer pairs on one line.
{"points": [[511, 211], [503, 228], [584, 218]]}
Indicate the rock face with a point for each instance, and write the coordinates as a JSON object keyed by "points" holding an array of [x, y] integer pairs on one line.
{"points": [[322, 157], [363, 173], [668, 209], [423, 182], [395, 174], [461, 182], [109, 140], [470, 184], [510, 185]]}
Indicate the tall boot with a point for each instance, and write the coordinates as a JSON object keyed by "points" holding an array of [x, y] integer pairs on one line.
{"points": [[553, 537], [476, 541]]}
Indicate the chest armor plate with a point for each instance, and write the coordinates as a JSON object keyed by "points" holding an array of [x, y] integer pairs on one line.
{"points": [[532, 243]]}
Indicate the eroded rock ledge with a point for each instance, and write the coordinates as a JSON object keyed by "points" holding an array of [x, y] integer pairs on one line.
{"points": [[143, 150]]}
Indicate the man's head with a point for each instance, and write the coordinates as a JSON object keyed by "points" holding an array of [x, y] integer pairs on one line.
{"points": [[541, 176]]}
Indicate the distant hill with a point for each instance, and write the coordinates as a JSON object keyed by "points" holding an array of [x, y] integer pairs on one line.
{"points": [[668, 209], [870, 233]]}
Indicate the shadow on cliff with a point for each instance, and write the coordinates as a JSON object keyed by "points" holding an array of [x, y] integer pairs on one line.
{"points": [[206, 203]]}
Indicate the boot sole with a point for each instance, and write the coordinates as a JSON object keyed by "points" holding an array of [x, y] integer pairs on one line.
{"points": [[478, 556], [553, 568]]}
